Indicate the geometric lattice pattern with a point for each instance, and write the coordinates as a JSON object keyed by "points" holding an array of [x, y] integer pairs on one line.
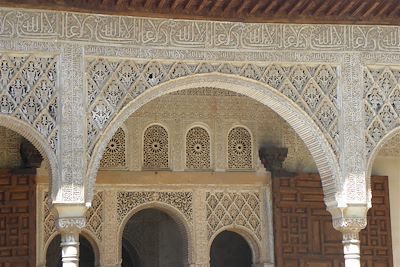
{"points": [[126, 201], [198, 149], [239, 149], [94, 216], [114, 156], [114, 83], [28, 91], [233, 209], [155, 148], [381, 102]]}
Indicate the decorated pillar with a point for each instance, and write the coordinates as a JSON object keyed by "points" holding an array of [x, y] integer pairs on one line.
{"points": [[350, 221], [69, 229]]}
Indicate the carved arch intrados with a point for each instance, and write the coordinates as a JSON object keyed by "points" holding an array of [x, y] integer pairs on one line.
{"points": [[30, 134], [176, 216], [248, 236], [298, 119]]}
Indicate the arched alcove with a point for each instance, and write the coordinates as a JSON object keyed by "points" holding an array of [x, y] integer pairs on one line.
{"points": [[230, 249], [151, 237], [297, 118], [18, 162]]}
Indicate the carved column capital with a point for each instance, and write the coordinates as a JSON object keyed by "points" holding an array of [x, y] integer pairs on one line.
{"points": [[70, 224], [349, 219]]}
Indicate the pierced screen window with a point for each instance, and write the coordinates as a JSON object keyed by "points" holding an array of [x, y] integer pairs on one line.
{"points": [[239, 149], [198, 149], [155, 148]]}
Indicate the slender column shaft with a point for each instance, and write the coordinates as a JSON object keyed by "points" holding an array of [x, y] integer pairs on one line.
{"points": [[70, 248], [351, 245], [70, 228]]}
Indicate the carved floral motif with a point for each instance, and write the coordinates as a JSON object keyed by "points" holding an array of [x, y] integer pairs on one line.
{"points": [[112, 84], [28, 91], [381, 103]]}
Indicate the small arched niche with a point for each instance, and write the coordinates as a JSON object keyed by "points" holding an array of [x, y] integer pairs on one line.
{"points": [[230, 249], [151, 238]]}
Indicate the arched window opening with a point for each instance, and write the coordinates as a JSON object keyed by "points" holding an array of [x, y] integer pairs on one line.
{"points": [[198, 149], [155, 148], [152, 238], [239, 149], [86, 253], [230, 249]]}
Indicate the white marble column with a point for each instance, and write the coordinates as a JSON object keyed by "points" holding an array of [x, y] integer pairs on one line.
{"points": [[69, 229], [351, 245]]}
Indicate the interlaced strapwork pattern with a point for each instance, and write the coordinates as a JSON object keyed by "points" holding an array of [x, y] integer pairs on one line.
{"points": [[114, 156], [239, 149], [198, 149], [127, 201], [49, 221], [94, 216], [381, 102], [28, 91], [155, 148], [233, 209], [112, 84]]}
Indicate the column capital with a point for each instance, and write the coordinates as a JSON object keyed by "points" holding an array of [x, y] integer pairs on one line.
{"points": [[350, 219], [70, 224]]}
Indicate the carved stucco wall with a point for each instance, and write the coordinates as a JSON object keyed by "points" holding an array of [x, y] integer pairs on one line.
{"points": [[200, 213], [219, 111], [81, 38], [9, 148]]}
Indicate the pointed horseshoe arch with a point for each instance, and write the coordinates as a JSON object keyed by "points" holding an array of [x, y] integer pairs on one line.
{"points": [[29, 133], [298, 119]]}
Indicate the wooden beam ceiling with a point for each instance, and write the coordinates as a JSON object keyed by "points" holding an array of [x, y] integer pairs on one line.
{"points": [[282, 11]]}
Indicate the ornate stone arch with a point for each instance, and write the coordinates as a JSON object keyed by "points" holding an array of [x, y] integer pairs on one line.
{"points": [[250, 238], [162, 127], [184, 227], [206, 128], [40, 144], [227, 138], [301, 122]]}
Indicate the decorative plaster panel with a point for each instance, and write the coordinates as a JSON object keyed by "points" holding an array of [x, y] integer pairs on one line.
{"points": [[28, 91], [233, 209], [127, 201], [113, 83], [381, 102]]}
